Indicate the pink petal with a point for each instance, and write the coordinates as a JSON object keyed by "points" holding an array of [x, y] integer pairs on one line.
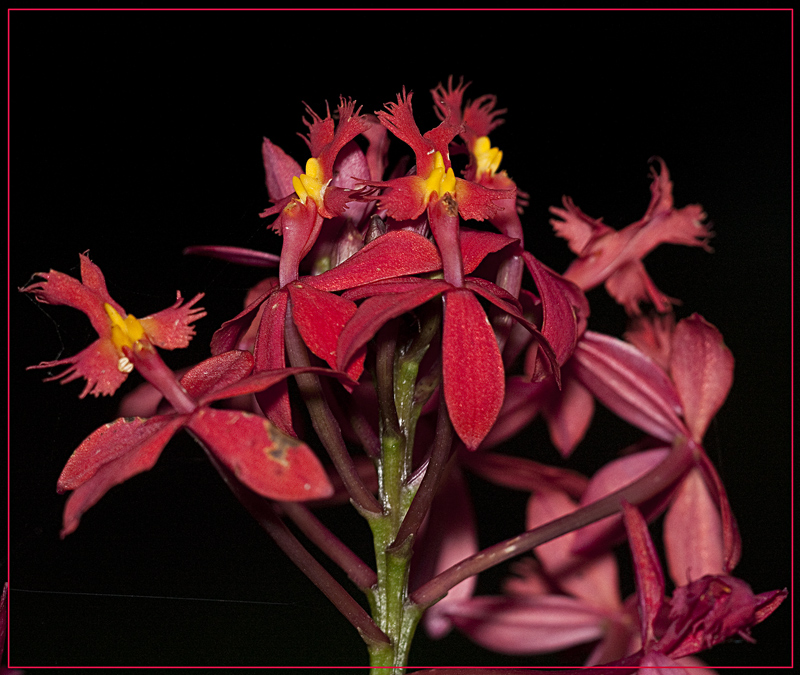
{"points": [[109, 456], [630, 384], [568, 413], [520, 473], [594, 579], [530, 625], [279, 169], [702, 370], [693, 532], [477, 202], [261, 456], [472, 368], [610, 478], [449, 537]]}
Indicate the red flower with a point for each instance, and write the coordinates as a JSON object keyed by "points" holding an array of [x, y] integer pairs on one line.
{"points": [[106, 362]]}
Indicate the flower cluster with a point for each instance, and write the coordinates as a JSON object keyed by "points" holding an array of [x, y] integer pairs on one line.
{"points": [[421, 334]]}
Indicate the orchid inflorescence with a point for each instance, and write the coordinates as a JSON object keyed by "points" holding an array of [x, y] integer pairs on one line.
{"points": [[418, 345]]}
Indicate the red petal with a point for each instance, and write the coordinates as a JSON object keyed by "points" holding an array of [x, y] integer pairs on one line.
{"points": [[216, 373], [476, 202], [476, 245], [110, 456], [472, 368], [170, 328], [97, 364], [270, 354], [320, 318], [375, 312], [394, 254], [264, 459]]}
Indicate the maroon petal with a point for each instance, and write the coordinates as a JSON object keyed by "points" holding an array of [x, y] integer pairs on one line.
{"points": [[234, 254], [109, 456], [227, 337], [262, 457], [559, 320], [472, 368], [649, 576], [702, 370]]}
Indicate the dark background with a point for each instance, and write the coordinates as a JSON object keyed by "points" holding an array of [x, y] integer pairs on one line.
{"points": [[134, 134]]}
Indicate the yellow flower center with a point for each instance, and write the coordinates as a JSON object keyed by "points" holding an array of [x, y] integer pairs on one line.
{"points": [[439, 180], [487, 158], [310, 183], [124, 332]]}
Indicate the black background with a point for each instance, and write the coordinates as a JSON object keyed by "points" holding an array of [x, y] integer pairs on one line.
{"points": [[134, 134]]}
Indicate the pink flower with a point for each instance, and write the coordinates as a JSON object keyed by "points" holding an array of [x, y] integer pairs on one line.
{"points": [[615, 257]]}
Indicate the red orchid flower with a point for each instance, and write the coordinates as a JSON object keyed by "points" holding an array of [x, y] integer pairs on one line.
{"points": [[408, 197], [123, 341], [303, 200], [614, 257]]}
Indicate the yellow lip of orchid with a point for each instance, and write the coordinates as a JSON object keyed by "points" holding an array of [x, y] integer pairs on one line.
{"points": [[487, 158], [309, 184], [124, 333], [439, 180]]}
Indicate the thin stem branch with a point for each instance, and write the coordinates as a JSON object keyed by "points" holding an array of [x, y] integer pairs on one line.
{"points": [[263, 511], [681, 458], [361, 574], [430, 483], [325, 423]]}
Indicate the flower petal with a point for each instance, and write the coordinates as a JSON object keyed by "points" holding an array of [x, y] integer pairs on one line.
{"points": [[171, 328], [701, 367], [472, 368], [109, 456], [266, 460]]}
